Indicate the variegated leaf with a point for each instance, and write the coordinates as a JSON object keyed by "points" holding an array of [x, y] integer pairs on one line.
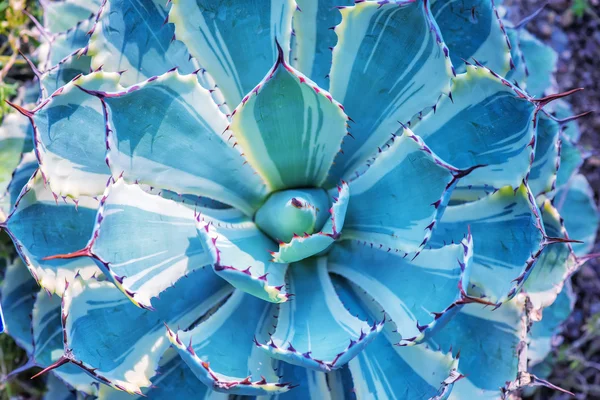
{"points": [[472, 29], [300, 331], [485, 122], [314, 37], [234, 41], [289, 128], [16, 299], [64, 14], [389, 64], [143, 242], [508, 238], [72, 159], [546, 162], [167, 132], [120, 344], [373, 215], [489, 343], [418, 294], [220, 352], [41, 226], [175, 380], [554, 265], [241, 254], [48, 343], [576, 205], [132, 36]]}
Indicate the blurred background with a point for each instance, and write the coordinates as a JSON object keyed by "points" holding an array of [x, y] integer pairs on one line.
{"points": [[571, 27]]}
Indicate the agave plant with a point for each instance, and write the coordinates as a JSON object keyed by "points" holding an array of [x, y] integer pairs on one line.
{"points": [[292, 199]]}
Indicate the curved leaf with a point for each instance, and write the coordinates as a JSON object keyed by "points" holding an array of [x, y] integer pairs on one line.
{"points": [[72, 159], [223, 38], [487, 122], [301, 247], [418, 294], [167, 133], [16, 300], [48, 343], [541, 62], [472, 29], [575, 203], [221, 353], [63, 14], [507, 236], [543, 173], [240, 254], [289, 128], [543, 333], [101, 339], [131, 36], [412, 373], [373, 214], [41, 225], [489, 343], [175, 380], [388, 65], [314, 314], [313, 37], [20, 177], [554, 265], [15, 138], [143, 242]]}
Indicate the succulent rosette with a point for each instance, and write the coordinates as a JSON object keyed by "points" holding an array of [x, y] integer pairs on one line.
{"points": [[310, 199]]}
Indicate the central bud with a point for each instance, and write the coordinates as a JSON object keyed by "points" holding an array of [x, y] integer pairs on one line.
{"points": [[293, 212]]}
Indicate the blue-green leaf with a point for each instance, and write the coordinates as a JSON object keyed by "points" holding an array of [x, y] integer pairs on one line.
{"points": [[41, 226], [540, 60], [575, 203], [374, 215], [543, 332], [388, 65], [235, 41], [17, 297], [120, 344], [507, 236], [48, 343], [241, 254], [131, 36], [571, 159], [409, 373], [307, 245], [60, 46], [300, 331], [168, 132], [20, 177], [143, 242], [15, 138], [486, 122], [289, 128], [554, 265], [72, 159], [542, 176], [489, 343], [419, 294], [62, 73], [472, 29], [221, 353], [58, 390], [175, 380], [64, 14], [314, 37]]}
